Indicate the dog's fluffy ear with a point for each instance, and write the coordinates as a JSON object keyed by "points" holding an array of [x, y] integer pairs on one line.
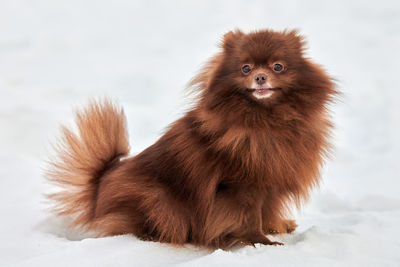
{"points": [[230, 39], [295, 39]]}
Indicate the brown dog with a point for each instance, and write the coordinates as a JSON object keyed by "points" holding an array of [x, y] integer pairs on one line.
{"points": [[222, 175]]}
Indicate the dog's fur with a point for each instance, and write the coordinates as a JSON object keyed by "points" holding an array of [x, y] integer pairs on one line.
{"points": [[222, 175]]}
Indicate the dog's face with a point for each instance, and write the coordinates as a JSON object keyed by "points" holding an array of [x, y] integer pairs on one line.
{"points": [[267, 62], [268, 68], [263, 64]]}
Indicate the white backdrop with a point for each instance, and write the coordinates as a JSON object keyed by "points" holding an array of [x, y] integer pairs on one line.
{"points": [[55, 55]]}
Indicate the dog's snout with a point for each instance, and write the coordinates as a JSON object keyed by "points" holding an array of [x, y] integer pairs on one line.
{"points": [[260, 78]]}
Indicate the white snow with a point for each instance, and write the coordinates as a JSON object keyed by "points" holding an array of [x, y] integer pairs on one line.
{"points": [[55, 55]]}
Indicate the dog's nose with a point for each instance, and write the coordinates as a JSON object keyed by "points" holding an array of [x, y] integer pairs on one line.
{"points": [[260, 78]]}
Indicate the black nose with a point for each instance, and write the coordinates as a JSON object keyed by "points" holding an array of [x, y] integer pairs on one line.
{"points": [[260, 78]]}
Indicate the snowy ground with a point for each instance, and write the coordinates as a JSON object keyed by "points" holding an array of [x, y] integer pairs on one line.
{"points": [[54, 55]]}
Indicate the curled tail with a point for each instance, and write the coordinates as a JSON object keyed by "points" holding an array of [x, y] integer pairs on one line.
{"points": [[84, 157]]}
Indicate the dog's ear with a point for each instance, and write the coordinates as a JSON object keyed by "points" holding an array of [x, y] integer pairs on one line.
{"points": [[295, 39], [231, 39]]}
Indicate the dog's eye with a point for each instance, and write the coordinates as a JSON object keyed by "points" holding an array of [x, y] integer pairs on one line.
{"points": [[277, 67], [246, 69]]}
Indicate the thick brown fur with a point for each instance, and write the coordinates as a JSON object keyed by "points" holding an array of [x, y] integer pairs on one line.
{"points": [[225, 173]]}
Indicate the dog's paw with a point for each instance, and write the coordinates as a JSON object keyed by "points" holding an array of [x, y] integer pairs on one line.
{"points": [[284, 227]]}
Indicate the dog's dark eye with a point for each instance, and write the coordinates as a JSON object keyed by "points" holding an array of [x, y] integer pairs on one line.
{"points": [[277, 67], [246, 69]]}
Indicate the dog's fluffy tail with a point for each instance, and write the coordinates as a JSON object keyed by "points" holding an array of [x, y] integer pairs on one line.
{"points": [[84, 157]]}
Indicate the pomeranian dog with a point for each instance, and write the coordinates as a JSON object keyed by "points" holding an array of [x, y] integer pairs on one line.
{"points": [[223, 175]]}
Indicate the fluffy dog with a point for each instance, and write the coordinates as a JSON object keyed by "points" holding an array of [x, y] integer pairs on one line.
{"points": [[222, 175]]}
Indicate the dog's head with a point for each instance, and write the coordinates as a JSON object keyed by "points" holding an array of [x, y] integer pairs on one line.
{"points": [[266, 68]]}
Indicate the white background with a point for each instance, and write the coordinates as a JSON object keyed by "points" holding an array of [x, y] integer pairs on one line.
{"points": [[55, 55]]}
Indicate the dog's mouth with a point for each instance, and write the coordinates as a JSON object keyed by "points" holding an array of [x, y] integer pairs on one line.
{"points": [[263, 92]]}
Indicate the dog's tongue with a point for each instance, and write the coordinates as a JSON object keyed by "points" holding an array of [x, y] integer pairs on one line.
{"points": [[263, 92]]}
